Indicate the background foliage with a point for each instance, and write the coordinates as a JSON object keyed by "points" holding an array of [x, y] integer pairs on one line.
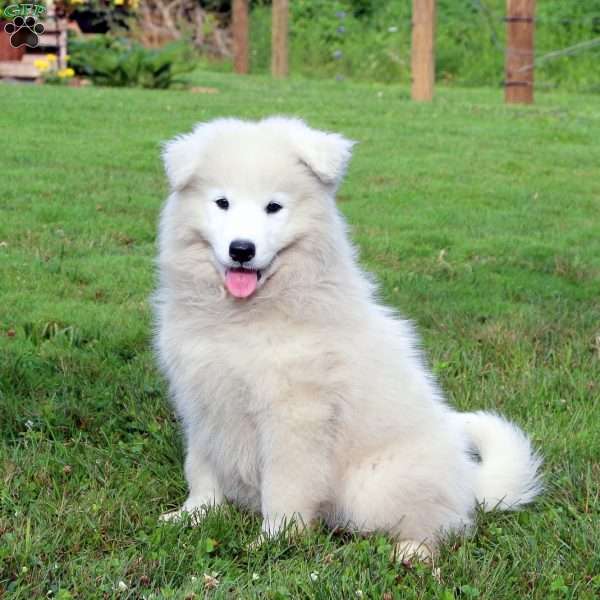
{"points": [[370, 40], [120, 62], [366, 40]]}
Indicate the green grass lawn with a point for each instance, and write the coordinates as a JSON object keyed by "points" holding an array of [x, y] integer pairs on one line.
{"points": [[482, 223]]}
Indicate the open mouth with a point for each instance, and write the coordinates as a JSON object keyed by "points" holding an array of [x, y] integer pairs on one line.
{"points": [[240, 282]]}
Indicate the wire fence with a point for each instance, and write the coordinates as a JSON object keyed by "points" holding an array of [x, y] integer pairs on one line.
{"points": [[495, 23], [471, 46]]}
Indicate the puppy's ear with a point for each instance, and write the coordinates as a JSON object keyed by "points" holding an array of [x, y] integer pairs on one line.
{"points": [[181, 157], [325, 154]]}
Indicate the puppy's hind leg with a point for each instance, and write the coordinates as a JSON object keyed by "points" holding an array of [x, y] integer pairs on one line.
{"points": [[415, 495], [204, 489]]}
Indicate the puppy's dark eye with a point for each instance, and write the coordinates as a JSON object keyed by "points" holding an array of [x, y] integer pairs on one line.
{"points": [[273, 207], [222, 203]]}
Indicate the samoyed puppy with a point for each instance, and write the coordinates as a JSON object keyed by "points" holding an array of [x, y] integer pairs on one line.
{"points": [[300, 395]]}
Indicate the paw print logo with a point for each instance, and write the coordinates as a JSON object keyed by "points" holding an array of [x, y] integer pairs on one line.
{"points": [[24, 32]]}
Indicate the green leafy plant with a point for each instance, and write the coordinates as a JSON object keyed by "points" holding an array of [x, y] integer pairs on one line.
{"points": [[118, 62]]}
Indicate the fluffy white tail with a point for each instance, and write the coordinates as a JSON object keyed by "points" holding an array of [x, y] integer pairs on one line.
{"points": [[508, 471]]}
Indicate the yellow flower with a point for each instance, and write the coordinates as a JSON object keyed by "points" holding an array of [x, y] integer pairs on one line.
{"points": [[41, 65], [134, 4], [51, 58], [119, 2], [68, 72], [76, 1]]}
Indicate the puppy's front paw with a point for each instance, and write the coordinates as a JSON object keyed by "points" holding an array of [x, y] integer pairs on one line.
{"points": [[269, 532], [171, 517], [273, 528], [175, 516], [411, 550], [257, 542], [195, 508], [289, 525]]}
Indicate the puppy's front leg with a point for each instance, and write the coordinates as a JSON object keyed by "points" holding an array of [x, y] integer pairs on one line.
{"points": [[204, 488], [297, 463]]}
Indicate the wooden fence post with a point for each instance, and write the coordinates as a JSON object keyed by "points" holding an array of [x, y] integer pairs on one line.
{"points": [[279, 38], [240, 36], [520, 25], [423, 50]]}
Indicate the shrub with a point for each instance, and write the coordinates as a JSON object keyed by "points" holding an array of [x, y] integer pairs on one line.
{"points": [[119, 62]]}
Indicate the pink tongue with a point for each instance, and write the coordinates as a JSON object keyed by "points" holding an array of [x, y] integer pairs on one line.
{"points": [[241, 283]]}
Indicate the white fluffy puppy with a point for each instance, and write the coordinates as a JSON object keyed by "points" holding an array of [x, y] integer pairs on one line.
{"points": [[299, 394]]}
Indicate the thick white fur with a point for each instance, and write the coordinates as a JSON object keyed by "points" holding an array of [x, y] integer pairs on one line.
{"points": [[309, 399], [507, 477]]}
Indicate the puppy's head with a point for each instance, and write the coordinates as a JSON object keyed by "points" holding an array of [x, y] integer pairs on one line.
{"points": [[251, 190]]}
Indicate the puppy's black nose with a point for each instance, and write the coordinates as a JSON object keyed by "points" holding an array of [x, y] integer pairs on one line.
{"points": [[242, 250]]}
